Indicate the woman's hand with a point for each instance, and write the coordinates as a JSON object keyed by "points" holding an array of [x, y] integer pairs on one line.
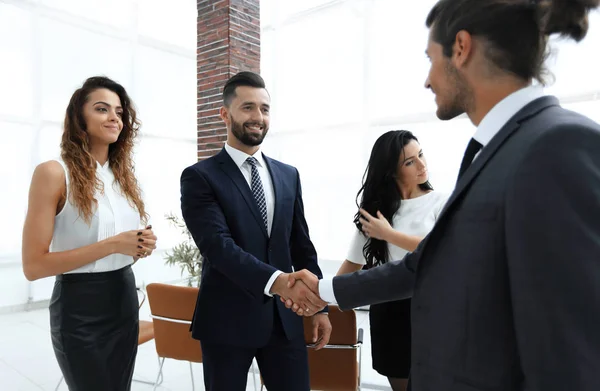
{"points": [[148, 242], [375, 227], [136, 243]]}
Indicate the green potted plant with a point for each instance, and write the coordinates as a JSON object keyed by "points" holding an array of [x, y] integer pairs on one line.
{"points": [[185, 255]]}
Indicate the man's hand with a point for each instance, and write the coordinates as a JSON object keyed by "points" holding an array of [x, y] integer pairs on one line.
{"points": [[300, 294], [303, 278], [321, 330]]}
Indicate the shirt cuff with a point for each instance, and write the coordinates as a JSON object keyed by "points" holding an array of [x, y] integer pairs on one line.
{"points": [[271, 281], [326, 291]]}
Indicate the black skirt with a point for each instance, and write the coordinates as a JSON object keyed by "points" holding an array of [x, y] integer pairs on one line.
{"points": [[390, 338], [94, 327]]}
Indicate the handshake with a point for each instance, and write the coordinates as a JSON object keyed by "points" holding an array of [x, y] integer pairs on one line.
{"points": [[300, 292]]}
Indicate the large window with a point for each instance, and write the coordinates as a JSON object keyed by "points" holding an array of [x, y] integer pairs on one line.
{"points": [[340, 72], [49, 47], [344, 72]]}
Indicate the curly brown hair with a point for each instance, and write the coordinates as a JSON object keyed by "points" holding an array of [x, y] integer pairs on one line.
{"points": [[75, 151]]}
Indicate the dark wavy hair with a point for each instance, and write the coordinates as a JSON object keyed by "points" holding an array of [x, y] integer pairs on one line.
{"points": [[75, 150], [379, 190]]}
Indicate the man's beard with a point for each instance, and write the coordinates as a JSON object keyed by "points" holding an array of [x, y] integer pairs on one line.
{"points": [[247, 138], [461, 96]]}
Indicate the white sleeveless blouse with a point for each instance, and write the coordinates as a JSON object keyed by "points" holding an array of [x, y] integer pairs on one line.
{"points": [[113, 215]]}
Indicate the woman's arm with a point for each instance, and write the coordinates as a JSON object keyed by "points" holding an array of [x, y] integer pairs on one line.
{"points": [[348, 267], [46, 191], [402, 240], [379, 228]]}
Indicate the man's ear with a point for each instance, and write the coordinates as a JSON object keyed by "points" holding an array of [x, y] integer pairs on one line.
{"points": [[462, 49], [224, 113]]}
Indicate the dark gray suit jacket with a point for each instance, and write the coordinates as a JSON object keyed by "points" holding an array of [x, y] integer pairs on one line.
{"points": [[506, 287]]}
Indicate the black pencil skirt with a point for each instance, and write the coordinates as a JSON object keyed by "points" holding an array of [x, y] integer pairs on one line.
{"points": [[94, 324], [390, 338]]}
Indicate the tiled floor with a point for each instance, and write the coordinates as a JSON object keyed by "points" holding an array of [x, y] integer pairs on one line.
{"points": [[27, 361]]}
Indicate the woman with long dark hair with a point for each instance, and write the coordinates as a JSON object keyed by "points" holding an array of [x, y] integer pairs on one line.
{"points": [[395, 189], [84, 226]]}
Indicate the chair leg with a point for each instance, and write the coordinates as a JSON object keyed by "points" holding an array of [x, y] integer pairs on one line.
{"points": [[161, 361], [161, 374], [150, 383], [59, 383], [192, 376], [359, 365]]}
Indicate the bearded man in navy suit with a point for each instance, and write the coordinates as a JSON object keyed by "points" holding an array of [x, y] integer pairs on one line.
{"points": [[245, 213]]}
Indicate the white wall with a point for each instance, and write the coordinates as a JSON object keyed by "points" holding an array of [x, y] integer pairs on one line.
{"points": [[343, 72], [48, 48]]}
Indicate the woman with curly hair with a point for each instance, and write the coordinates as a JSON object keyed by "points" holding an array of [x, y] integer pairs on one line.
{"points": [[395, 189], [84, 226]]}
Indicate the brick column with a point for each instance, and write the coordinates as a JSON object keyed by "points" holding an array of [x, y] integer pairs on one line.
{"points": [[228, 42]]}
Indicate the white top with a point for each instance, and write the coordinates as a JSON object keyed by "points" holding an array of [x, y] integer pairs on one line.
{"points": [[416, 216], [240, 159], [113, 215]]}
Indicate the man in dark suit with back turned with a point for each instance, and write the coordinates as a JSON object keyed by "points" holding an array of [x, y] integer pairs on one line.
{"points": [[245, 213], [506, 287]]}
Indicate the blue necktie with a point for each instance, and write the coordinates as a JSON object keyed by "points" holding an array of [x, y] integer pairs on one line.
{"points": [[257, 191]]}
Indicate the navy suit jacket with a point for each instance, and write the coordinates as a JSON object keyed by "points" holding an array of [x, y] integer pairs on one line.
{"points": [[239, 256]]}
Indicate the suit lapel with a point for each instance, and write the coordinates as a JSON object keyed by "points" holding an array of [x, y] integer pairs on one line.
{"points": [[231, 169], [276, 178], [495, 143]]}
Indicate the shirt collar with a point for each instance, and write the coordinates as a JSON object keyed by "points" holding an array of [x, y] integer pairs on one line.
{"points": [[503, 111], [103, 169], [239, 157]]}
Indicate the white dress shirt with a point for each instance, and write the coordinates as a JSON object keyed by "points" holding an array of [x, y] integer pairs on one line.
{"points": [[489, 126], [240, 159], [504, 110]]}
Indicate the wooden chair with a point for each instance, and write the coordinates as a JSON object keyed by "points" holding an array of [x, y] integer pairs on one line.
{"points": [[172, 308], [337, 366]]}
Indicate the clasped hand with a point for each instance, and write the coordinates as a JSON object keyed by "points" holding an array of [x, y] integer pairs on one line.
{"points": [[300, 292], [138, 243]]}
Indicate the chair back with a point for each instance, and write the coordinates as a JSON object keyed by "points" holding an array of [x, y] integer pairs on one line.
{"points": [[335, 367], [172, 308]]}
